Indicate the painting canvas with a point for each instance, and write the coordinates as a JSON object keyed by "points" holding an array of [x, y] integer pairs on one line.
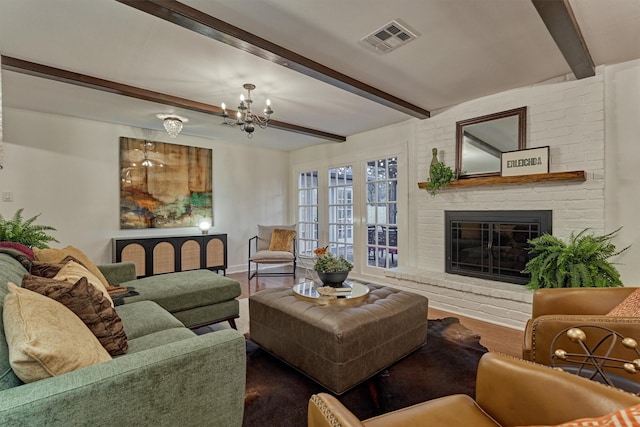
{"points": [[164, 185]]}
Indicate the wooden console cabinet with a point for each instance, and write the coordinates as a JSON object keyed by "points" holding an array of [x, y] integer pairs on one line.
{"points": [[168, 254]]}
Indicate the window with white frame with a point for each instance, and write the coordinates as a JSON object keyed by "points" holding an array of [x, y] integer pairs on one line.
{"points": [[340, 206], [382, 212], [307, 237]]}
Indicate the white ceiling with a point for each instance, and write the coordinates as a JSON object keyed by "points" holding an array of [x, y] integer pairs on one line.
{"points": [[466, 49]]}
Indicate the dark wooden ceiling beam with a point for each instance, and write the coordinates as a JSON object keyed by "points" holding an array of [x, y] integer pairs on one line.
{"points": [[199, 22], [57, 74], [561, 23]]}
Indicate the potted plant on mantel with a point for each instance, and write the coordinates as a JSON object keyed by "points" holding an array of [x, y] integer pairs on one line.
{"points": [[25, 231], [332, 270], [440, 175], [580, 263]]}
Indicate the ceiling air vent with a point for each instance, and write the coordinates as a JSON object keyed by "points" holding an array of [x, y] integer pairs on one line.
{"points": [[389, 37]]}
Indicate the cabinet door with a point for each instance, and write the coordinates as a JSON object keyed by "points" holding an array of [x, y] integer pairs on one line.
{"points": [[132, 250], [214, 253], [191, 254], [164, 257]]}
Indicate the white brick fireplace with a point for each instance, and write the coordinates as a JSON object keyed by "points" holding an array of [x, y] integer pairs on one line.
{"points": [[564, 114]]}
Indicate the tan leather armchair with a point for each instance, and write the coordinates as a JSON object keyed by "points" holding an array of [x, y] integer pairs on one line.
{"points": [[555, 310], [509, 392]]}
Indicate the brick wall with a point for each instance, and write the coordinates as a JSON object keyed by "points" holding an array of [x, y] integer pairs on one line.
{"points": [[565, 114]]}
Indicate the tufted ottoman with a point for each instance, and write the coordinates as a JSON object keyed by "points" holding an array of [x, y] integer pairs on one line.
{"points": [[339, 346]]}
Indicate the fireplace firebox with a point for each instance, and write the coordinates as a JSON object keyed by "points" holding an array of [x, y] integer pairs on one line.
{"points": [[492, 244]]}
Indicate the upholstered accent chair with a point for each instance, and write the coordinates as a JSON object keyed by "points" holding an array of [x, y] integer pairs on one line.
{"points": [[274, 244], [598, 312], [509, 392]]}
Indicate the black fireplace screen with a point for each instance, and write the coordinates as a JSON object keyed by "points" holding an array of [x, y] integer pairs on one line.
{"points": [[492, 244]]}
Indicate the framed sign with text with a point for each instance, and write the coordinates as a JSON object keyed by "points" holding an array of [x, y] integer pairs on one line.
{"points": [[525, 162]]}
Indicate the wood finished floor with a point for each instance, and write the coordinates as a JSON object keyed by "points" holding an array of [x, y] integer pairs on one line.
{"points": [[495, 338]]}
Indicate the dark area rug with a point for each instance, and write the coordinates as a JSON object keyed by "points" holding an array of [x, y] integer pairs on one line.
{"points": [[277, 395]]}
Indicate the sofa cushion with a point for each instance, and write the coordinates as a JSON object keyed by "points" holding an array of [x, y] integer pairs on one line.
{"points": [[184, 290], [20, 248], [72, 272], [272, 257], [49, 270], [55, 256], [159, 338], [282, 240], [18, 256], [144, 318], [88, 303], [629, 307], [45, 269], [45, 338], [10, 271]]}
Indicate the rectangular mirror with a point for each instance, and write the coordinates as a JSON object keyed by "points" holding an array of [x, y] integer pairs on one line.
{"points": [[481, 140]]}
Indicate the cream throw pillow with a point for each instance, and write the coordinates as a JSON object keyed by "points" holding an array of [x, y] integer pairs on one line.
{"points": [[45, 338], [55, 256], [72, 272]]}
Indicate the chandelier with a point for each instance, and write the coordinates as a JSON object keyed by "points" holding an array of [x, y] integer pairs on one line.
{"points": [[245, 119], [172, 123]]}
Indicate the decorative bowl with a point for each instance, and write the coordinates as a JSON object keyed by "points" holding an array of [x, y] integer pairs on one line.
{"points": [[334, 278]]}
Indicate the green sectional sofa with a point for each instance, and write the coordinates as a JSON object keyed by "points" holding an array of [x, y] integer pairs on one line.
{"points": [[196, 297], [170, 376]]}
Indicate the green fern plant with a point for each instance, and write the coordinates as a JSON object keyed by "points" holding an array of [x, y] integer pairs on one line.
{"points": [[25, 231], [582, 262]]}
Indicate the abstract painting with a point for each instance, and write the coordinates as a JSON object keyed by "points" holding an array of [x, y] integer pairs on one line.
{"points": [[164, 185]]}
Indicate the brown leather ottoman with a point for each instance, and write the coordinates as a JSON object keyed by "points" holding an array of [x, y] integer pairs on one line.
{"points": [[339, 346]]}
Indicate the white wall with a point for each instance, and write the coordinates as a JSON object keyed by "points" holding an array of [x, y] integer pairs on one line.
{"points": [[68, 170], [590, 124], [622, 150]]}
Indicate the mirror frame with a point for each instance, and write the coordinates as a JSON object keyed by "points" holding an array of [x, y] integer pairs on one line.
{"points": [[521, 113]]}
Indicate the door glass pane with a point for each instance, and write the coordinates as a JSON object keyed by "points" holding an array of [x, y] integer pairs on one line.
{"points": [[393, 191], [341, 211], [371, 171], [307, 235], [382, 212]]}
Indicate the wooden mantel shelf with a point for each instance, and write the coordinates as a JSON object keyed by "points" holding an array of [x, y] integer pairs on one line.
{"points": [[577, 176]]}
